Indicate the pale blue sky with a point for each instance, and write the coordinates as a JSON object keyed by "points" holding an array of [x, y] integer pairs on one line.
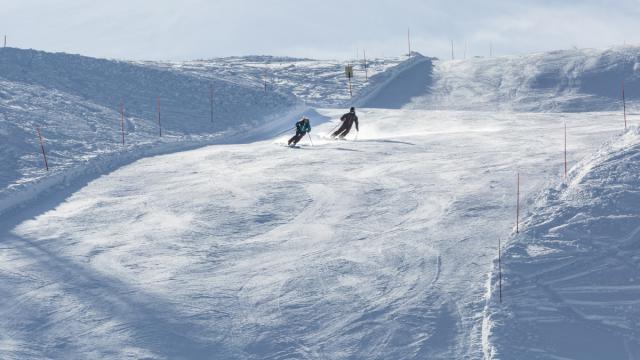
{"points": [[189, 29]]}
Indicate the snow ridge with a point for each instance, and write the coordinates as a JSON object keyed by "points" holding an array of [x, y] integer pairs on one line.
{"points": [[75, 101], [571, 279]]}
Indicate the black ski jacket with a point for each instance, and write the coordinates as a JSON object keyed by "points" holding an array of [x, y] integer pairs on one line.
{"points": [[348, 119]]}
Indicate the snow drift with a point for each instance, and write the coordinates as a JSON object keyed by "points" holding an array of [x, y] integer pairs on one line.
{"points": [[559, 81], [571, 279]]}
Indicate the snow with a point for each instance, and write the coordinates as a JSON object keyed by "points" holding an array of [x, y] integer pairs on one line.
{"points": [[319, 83], [561, 81], [380, 246], [576, 295], [75, 101], [350, 249]]}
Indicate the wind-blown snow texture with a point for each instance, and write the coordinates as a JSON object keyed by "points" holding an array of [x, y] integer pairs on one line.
{"points": [[76, 102], [571, 279], [343, 250], [568, 80], [318, 83], [378, 247]]}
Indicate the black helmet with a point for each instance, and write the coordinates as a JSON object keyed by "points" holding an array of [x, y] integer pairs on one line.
{"points": [[352, 109]]}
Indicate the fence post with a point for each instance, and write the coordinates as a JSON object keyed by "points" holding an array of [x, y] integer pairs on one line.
{"points": [[265, 78], [518, 205], [44, 155], [409, 40], [624, 107], [122, 121], [464, 56], [349, 72], [159, 122], [500, 268], [565, 149], [211, 100], [366, 72], [452, 55]]}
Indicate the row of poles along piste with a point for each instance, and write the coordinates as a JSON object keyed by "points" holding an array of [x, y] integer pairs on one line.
{"points": [[123, 125], [349, 72], [349, 67], [624, 115]]}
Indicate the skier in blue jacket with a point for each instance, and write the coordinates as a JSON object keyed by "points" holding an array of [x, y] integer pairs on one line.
{"points": [[302, 128]]}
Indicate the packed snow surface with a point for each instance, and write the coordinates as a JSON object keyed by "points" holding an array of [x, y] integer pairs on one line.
{"points": [[370, 248], [378, 246]]}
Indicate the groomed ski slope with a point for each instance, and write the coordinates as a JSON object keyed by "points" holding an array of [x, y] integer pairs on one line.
{"points": [[375, 248], [571, 279]]}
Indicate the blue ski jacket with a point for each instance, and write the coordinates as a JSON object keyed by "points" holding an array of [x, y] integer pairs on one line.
{"points": [[303, 126]]}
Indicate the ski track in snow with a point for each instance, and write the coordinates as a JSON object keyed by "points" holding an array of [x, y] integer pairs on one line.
{"points": [[369, 249]]}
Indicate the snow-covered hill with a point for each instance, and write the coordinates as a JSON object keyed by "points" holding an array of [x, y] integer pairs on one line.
{"points": [[567, 80], [319, 83], [571, 279], [76, 102], [375, 247]]}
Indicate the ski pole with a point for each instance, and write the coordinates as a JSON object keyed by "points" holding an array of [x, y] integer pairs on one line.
{"points": [[334, 129], [310, 139], [357, 132], [282, 132]]}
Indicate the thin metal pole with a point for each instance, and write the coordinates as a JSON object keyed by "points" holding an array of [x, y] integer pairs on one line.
{"points": [[464, 56], [518, 205], [409, 40], [159, 123], [265, 79], [624, 106], [211, 100], [284, 131], [500, 268], [122, 121], [349, 76], [565, 149], [44, 155], [334, 129], [452, 55], [366, 72]]}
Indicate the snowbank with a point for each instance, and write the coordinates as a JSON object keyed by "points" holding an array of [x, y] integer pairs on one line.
{"points": [[75, 101], [558, 81], [571, 279]]}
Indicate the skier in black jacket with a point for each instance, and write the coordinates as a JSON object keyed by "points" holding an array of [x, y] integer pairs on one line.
{"points": [[347, 121], [302, 128]]}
